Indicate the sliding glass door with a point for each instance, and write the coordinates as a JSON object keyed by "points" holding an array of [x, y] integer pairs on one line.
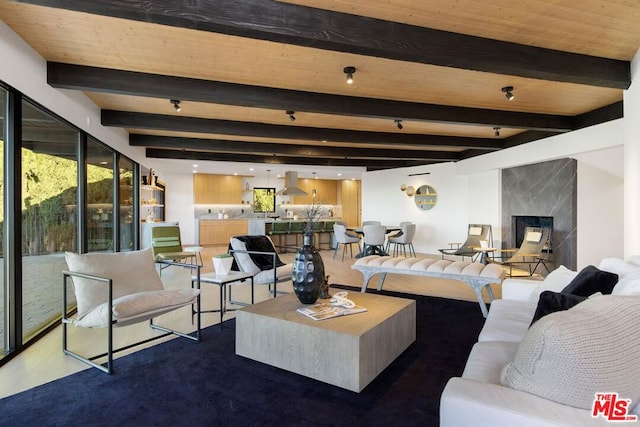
{"points": [[49, 214]]}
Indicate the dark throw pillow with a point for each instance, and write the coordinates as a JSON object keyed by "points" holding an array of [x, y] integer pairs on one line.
{"points": [[550, 302], [591, 280]]}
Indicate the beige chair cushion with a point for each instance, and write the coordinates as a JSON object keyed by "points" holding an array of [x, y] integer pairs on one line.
{"points": [[131, 272], [568, 356], [137, 307]]}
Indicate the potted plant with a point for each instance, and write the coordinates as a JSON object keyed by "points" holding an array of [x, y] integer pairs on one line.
{"points": [[222, 263]]}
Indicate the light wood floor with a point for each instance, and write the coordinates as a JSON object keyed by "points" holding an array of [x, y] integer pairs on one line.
{"points": [[44, 362]]}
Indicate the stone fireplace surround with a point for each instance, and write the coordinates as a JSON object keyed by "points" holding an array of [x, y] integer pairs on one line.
{"points": [[547, 189]]}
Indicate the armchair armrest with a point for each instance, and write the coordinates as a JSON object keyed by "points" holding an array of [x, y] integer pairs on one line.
{"points": [[66, 274]]}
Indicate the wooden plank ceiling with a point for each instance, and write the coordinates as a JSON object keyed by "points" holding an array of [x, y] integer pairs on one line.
{"points": [[238, 66]]}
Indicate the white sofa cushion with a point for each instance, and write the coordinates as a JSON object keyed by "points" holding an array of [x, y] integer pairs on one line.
{"points": [[508, 320], [486, 360], [131, 272], [570, 355], [628, 275]]}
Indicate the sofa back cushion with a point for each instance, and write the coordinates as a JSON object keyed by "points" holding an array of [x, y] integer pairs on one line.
{"points": [[628, 274], [131, 272], [570, 355]]}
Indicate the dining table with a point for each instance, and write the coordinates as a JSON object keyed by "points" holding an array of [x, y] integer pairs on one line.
{"points": [[373, 250]]}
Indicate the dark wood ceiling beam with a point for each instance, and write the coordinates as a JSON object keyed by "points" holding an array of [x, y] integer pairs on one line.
{"points": [[323, 29], [282, 160], [128, 119], [94, 79], [290, 150], [600, 115]]}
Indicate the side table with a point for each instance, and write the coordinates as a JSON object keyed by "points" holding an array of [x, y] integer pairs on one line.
{"points": [[222, 280], [484, 259]]}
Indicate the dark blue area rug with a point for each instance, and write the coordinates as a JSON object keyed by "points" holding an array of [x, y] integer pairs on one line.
{"points": [[205, 384]]}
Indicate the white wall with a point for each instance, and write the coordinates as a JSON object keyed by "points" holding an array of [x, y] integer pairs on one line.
{"points": [[632, 162], [600, 206], [469, 191], [179, 203], [383, 200]]}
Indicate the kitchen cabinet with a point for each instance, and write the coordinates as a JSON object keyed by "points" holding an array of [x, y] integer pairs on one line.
{"points": [[326, 191], [217, 189], [220, 231], [350, 199]]}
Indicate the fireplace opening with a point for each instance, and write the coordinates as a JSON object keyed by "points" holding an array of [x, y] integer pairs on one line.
{"points": [[520, 222]]}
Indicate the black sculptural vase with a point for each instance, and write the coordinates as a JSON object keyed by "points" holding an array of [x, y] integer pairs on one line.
{"points": [[307, 272]]}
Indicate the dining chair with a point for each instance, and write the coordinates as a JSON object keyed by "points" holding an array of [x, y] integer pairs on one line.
{"points": [[344, 239], [405, 239], [373, 238]]}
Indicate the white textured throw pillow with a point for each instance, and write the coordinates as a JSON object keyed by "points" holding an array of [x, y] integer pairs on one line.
{"points": [[131, 272], [555, 281], [570, 355]]}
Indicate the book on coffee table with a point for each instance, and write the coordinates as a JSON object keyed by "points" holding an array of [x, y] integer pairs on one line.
{"points": [[327, 311]]}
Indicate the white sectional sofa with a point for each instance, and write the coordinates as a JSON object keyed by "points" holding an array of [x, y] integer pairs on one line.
{"points": [[479, 398]]}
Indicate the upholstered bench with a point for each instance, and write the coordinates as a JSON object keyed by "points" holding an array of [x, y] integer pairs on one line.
{"points": [[478, 276]]}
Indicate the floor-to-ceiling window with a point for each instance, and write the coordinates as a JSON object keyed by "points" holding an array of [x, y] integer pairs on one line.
{"points": [[126, 201], [60, 190], [3, 289], [100, 212], [49, 213]]}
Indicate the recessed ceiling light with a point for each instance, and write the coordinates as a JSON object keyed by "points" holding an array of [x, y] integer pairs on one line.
{"points": [[339, 174], [195, 166], [235, 173], [251, 169]]}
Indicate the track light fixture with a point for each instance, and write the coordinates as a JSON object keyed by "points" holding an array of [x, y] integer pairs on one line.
{"points": [[349, 72], [496, 131], [176, 105], [398, 123], [508, 92], [291, 113]]}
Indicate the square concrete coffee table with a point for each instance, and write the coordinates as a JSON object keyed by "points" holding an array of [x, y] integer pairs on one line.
{"points": [[346, 351]]}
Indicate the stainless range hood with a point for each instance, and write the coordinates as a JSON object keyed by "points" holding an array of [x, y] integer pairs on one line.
{"points": [[291, 185]]}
